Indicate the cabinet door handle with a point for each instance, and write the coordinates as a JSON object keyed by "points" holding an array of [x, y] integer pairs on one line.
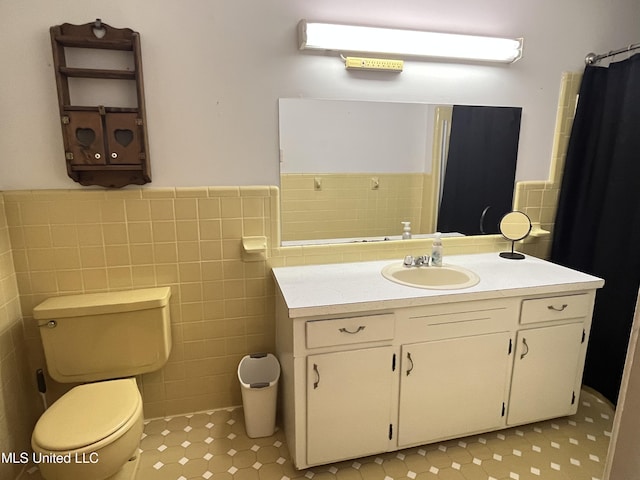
{"points": [[557, 309], [358, 330], [317, 382], [524, 344], [410, 360]]}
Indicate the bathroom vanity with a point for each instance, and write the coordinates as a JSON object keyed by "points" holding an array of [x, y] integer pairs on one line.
{"points": [[370, 366]]}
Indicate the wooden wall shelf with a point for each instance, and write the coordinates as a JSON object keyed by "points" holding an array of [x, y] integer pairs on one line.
{"points": [[104, 145]]}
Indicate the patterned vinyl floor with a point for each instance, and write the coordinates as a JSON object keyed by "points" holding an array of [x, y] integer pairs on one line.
{"points": [[213, 445]]}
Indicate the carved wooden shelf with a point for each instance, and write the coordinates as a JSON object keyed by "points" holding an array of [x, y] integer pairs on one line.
{"points": [[104, 145]]}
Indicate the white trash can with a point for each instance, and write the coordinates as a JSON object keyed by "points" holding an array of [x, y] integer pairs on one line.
{"points": [[259, 374]]}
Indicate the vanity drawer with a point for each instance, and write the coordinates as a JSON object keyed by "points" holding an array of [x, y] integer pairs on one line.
{"points": [[555, 308], [344, 331]]}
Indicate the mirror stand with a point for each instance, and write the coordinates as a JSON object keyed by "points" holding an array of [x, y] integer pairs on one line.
{"points": [[512, 255], [514, 226]]}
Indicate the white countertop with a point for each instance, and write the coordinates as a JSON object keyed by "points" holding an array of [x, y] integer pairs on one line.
{"points": [[313, 290]]}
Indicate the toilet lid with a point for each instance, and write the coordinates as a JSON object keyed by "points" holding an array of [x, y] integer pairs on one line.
{"points": [[87, 414]]}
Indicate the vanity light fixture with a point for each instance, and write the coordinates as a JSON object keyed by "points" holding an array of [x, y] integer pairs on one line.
{"points": [[391, 41]]}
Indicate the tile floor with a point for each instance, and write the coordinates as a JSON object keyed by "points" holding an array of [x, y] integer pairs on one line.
{"points": [[213, 445]]}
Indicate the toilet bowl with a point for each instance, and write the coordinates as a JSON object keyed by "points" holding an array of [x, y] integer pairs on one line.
{"points": [[90, 432]]}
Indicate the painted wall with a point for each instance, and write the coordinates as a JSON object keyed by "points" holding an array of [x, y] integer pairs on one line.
{"points": [[322, 136], [623, 460], [215, 69]]}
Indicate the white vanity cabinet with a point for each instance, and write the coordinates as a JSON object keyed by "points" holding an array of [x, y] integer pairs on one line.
{"points": [[549, 359], [452, 387], [392, 368], [347, 389], [454, 380]]}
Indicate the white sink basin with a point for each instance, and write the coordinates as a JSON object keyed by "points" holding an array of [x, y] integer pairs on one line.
{"points": [[446, 277]]}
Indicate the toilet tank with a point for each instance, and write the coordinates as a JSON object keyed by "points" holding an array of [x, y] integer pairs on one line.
{"points": [[99, 336]]}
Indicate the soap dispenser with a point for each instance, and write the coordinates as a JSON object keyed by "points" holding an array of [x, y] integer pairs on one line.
{"points": [[436, 251], [406, 231]]}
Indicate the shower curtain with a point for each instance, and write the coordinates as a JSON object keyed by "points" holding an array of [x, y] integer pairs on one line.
{"points": [[597, 227], [481, 169]]}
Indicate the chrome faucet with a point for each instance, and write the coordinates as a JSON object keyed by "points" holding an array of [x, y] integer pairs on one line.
{"points": [[420, 261]]}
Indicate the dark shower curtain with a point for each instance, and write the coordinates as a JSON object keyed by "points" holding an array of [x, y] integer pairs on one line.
{"points": [[597, 227], [481, 169]]}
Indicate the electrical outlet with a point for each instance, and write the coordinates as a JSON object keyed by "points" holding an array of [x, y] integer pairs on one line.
{"points": [[379, 64]]}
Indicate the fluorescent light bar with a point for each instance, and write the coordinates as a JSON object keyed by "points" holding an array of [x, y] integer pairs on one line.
{"points": [[351, 38]]}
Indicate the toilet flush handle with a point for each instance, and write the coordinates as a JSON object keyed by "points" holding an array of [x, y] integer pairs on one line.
{"points": [[49, 324]]}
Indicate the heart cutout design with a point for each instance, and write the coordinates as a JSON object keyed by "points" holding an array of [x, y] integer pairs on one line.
{"points": [[123, 137], [99, 31], [85, 136]]}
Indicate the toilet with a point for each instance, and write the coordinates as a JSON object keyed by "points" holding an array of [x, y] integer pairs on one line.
{"points": [[100, 340]]}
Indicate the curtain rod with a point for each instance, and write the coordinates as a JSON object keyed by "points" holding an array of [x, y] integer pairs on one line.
{"points": [[592, 58]]}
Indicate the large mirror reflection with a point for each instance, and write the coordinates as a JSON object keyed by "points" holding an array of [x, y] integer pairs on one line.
{"points": [[355, 170]]}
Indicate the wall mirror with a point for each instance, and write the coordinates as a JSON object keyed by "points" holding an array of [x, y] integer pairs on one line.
{"points": [[354, 170]]}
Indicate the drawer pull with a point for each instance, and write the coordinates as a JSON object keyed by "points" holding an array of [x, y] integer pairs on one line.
{"points": [[557, 309], [317, 382], [524, 344], [410, 360], [358, 330]]}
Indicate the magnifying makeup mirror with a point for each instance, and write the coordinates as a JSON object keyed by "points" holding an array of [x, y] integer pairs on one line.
{"points": [[514, 226]]}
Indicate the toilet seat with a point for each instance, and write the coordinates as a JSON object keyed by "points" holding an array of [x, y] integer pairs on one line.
{"points": [[89, 414]]}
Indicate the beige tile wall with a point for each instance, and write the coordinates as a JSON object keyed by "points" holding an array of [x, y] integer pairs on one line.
{"points": [[317, 206], [82, 241], [19, 401], [77, 241]]}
